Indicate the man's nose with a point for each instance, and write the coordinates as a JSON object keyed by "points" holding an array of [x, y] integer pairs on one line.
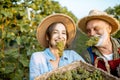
{"points": [[92, 33]]}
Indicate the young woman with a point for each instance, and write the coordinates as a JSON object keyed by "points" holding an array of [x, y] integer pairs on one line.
{"points": [[54, 29]]}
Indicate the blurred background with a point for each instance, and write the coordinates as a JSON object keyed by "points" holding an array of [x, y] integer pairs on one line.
{"points": [[18, 23]]}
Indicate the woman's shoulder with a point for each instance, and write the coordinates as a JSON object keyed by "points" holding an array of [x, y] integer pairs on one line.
{"points": [[38, 55]]}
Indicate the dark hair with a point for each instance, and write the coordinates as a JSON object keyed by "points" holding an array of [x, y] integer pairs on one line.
{"points": [[50, 29]]}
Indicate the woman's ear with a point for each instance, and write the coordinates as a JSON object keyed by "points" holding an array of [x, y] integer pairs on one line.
{"points": [[47, 38]]}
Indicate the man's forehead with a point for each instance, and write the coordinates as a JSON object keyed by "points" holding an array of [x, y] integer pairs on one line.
{"points": [[97, 22]]}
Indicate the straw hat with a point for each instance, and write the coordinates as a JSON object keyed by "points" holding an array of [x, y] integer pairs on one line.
{"points": [[66, 20], [94, 14]]}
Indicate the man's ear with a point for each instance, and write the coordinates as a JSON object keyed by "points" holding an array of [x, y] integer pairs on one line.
{"points": [[109, 29]]}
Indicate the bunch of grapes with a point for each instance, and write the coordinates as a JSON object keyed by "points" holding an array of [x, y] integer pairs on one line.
{"points": [[77, 74], [92, 41], [60, 46]]}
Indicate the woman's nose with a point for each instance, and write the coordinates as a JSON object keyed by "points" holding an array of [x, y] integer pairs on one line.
{"points": [[60, 36]]}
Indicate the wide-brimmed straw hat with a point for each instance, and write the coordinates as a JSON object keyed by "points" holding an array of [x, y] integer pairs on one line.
{"points": [[58, 17], [95, 14]]}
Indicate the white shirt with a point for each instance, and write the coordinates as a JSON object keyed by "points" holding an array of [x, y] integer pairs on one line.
{"points": [[109, 56]]}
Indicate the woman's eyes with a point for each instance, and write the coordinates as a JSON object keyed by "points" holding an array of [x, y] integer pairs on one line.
{"points": [[56, 32], [63, 32]]}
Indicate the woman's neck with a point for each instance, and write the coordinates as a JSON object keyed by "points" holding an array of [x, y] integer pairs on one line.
{"points": [[55, 52]]}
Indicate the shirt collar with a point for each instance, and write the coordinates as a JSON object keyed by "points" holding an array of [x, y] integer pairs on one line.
{"points": [[65, 56], [49, 54]]}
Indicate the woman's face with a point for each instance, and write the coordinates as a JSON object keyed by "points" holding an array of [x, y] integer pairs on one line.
{"points": [[58, 33]]}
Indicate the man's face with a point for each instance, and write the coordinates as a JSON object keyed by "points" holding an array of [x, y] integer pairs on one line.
{"points": [[58, 33], [98, 28]]}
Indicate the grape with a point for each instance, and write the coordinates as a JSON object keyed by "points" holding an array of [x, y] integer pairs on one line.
{"points": [[92, 41], [77, 74], [60, 46]]}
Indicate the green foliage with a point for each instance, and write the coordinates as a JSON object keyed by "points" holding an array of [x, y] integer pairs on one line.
{"points": [[115, 11], [18, 34], [79, 42]]}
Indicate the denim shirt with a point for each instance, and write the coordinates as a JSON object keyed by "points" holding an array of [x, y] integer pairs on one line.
{"points": [[40, 61]]}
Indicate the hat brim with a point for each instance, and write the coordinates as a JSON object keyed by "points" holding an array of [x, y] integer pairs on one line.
{"points": [[66, 20], [112, 21]]}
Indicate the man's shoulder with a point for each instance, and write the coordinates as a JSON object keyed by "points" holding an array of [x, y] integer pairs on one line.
{"points": [[117, 41], [86, 55], [87, 50]]}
